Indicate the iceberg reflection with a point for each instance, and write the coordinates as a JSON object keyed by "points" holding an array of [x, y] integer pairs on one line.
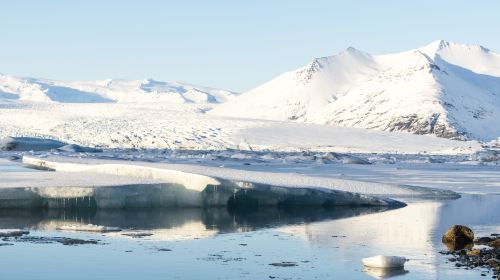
{"points": [[166, 224]]}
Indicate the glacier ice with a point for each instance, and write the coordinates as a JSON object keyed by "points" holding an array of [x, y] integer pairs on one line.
{"points": [[73, 148], [171, 188], [29, 144], [87, 228]]}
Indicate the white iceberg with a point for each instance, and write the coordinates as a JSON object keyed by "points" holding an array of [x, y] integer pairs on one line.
{"points": [[12, 232], [384, 262], [29, 144], [140, 184], [88, 228]]}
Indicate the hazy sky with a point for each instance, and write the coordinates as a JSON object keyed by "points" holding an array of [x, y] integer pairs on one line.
{"points": [[228, 44]]}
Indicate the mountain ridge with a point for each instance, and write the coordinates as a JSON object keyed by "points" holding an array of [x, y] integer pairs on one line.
{"points": [[447, 89], [29, 89]]}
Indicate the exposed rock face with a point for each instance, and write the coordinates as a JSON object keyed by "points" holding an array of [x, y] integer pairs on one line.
{"points": [[493, 262], [434, 124], [458, 236]]}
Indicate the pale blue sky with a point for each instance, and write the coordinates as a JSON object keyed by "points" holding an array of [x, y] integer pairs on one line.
{"points": [[228, 44]]}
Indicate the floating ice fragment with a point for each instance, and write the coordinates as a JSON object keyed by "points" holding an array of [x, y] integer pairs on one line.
{"points": [[12, 232], [88, 227], [29, 144], [384, 261], [73, 148]]}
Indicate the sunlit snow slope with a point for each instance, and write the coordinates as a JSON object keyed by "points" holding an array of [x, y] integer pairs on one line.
{"points": [[446, 89], [107, 91]]}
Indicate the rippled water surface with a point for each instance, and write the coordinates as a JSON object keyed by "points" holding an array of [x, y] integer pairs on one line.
{"points": [[264, 244]]}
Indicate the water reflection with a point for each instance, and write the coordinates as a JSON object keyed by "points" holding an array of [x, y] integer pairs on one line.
{"points": [[189, 221], [324, 243], [414, 231], [384, 273]]}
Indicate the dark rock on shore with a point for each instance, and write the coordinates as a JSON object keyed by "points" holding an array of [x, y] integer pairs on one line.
{"points": [[284, 264], [468, 256], [483, 240], [495, 243], [458, 237], [493, 262]]}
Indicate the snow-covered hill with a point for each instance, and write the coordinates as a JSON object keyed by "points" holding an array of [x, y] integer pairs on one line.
{"points": [[107, 91], [446, 89]]}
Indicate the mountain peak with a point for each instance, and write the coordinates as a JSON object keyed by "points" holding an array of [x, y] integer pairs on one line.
{"points": [[440, 44], [433, 48], [437, 46], [351, 49], [442, 88]]}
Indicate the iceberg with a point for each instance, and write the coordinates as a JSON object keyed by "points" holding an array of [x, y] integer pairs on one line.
{"points": [[384, 261], [135, 184], [87, 228], [29, 144]]}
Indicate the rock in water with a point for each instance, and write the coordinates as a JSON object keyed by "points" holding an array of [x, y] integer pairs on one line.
{"points": [[493, 262], [474, 253], [384, 261], [483, 240], [458, 237]]}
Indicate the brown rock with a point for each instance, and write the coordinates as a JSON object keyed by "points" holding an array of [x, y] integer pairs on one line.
{"points": [[495, 243], [493, 262], [457, 247], [474, 252], [458, 237]]}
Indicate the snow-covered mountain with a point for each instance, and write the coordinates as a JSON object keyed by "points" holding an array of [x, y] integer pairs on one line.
{"points": [[104, 91], [447, 89]]}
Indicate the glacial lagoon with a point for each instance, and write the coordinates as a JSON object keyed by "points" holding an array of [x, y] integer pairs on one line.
{"points": [[267, 243]]}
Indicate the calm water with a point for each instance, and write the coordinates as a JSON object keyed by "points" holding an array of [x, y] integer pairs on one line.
{"points": [[217, 244]]}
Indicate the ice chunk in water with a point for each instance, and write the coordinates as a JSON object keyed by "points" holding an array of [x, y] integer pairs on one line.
{"points": [[384, 261], [29, 144]]}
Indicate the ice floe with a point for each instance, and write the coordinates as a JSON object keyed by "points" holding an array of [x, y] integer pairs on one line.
{"points": [[29, 144], [384, 261], [165, 187], [132, 184], [87, 228]]}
